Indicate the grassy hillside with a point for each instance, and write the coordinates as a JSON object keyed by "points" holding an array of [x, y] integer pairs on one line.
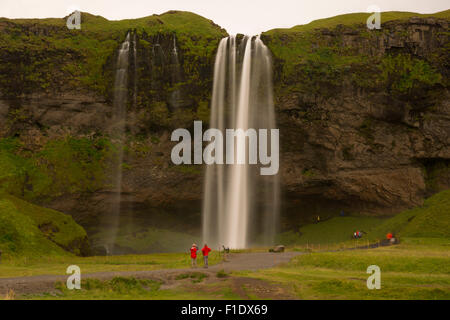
{"points": [[338, 229], [357, 18], [432, 220], [32, 231]]}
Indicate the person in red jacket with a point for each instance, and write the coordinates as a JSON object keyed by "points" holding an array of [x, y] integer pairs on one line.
{"points": [[205, 252], [194, 250]]}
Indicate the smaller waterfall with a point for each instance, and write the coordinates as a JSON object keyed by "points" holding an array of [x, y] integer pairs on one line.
{"points": [[119, 119], [175, 97], [158, 53], [135, 69]]}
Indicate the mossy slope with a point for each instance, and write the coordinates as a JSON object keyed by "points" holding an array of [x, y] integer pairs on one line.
{"points": [[432, 220], [33, 231]]}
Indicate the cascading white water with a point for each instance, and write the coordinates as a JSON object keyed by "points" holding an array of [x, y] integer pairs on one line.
{"points": [[135, 69], [240, 207], [119, 113], [176, 76]]}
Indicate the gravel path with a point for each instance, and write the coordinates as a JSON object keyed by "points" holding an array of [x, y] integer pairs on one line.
{"points": [[236, 262]]}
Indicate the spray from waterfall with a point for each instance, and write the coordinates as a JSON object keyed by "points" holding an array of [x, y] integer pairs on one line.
{"points": [[241, 207]]}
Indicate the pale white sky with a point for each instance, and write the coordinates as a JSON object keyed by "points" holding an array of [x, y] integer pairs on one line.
{"points": [[237, 16]]}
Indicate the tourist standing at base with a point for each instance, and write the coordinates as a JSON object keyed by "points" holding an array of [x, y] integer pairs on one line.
{"points": [[205, 252], [194, 250]]}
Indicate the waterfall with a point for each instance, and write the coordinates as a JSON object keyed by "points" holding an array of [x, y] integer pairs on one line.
{"points": [[240, 207], [175, 96], [119, 114], [135, 69]]}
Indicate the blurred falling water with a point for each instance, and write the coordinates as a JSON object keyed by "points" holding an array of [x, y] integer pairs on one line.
{"points": [[175, 97], [135, 69], [120, 113], [240, 206]]}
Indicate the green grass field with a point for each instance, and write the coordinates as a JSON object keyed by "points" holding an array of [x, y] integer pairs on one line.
{"points": [[419, 268], [415, 269], [57, 265], [133, 289]]}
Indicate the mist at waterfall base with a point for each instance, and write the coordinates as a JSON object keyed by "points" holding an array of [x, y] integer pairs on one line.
{"points": [[240, 206]]}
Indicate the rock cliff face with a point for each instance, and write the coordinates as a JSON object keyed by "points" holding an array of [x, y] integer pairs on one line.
{"points": [[369, 138], [364, 118]]}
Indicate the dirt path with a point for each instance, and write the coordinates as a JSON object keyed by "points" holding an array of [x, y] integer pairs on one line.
{"points": [[236, 262]]}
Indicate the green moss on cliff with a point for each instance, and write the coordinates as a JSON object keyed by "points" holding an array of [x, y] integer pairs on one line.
{"points": [[63, 166], [403, 74], [357, 18], [49, 56], [326, 55]]}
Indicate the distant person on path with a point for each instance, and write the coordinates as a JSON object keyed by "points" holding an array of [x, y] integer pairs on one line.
{"points": [[318, 219], [194, 250], [389, 236], [205, 252], [358, 234]]}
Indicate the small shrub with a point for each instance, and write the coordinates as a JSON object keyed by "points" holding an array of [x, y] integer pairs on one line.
{"points": [[221, 274]]}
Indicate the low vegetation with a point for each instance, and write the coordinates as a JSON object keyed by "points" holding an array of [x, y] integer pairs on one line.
{"points": [[415, 269], [27, 230], [57, 264]]}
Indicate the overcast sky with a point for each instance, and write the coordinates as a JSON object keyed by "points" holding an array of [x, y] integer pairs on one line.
{"points": [[237, 16]]}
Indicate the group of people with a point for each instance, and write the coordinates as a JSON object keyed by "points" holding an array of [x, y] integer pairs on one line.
{"points": [[205, 251], [358, 234]]}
